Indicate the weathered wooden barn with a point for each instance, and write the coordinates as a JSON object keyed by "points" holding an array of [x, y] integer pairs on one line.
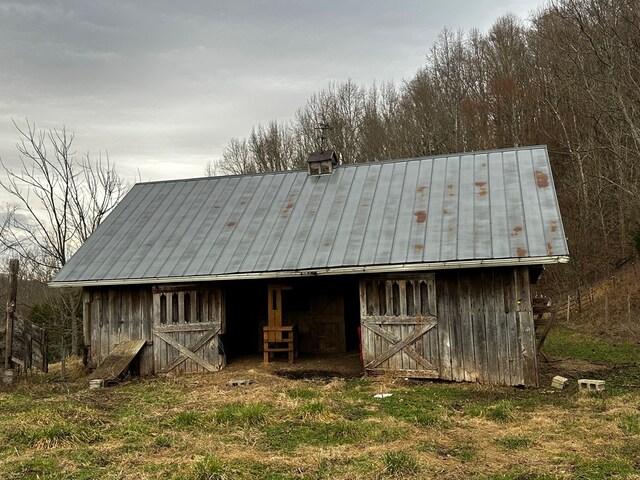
{"points": [[431, 258]]}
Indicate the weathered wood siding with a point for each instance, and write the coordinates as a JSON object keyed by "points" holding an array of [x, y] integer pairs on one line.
{"points": [[399, 325], [113, 315], [473, 325], [187, 323], [485, 326]]}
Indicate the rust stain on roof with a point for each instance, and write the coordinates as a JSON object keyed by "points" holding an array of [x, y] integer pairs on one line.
{"points": [[521, 252], [287, 209], [542, 180], [450, 186], [554, 227], [231, 224], [445, 212], [421, 189], [516, 230], [549, 248], [480, 184], [421, 216], [418, 246]]}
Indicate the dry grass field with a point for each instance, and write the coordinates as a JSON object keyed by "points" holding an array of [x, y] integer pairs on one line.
{"points": [[330, 427]]}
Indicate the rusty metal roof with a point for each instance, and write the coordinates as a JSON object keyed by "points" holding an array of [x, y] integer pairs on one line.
{"points": [[464, 210]]}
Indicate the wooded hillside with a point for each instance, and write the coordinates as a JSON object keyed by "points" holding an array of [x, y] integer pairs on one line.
{"points": [[568, 77]]}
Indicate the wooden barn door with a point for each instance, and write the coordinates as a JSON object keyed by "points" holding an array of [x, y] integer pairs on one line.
{"points": [[327, 322], [399, 326], [187, 324]]}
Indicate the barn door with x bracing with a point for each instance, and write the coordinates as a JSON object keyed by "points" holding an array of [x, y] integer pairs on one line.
{"points": [[399, 326], [187, 324]]}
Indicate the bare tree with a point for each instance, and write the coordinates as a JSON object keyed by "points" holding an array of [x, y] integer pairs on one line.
{"points": [[237, 159], [59, 202]]}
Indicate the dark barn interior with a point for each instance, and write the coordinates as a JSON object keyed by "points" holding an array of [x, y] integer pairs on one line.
{"points": [[324, 309]]}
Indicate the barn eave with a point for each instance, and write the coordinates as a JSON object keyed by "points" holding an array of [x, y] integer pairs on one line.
{"points": [[395, 268]]}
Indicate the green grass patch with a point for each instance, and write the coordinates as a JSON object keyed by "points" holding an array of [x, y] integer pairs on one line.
{"points": [[188, 419], [602, 469], [519, 474], [630, 424], [414, 408], [303, 393], [399, 464], [501, 412], [565, 343], [212, 467], [52, 435], [35, 468], [516, 442], [288, 435], [312, 409], [242, 415], [353, 410], [162, 442], [464, 451]]}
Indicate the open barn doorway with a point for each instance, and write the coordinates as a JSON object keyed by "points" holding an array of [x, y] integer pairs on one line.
{"points": [[324, 311]]}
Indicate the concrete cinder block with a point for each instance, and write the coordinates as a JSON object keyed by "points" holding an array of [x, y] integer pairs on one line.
{"points": [[559, 382], [588, 385]]}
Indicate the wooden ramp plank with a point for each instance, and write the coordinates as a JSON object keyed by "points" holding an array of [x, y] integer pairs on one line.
{"points": [[118, 360]]}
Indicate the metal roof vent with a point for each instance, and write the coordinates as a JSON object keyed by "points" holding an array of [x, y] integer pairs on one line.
{"points": [[322, 163]]}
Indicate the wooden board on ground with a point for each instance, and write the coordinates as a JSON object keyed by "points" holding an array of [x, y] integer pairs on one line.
{"points": [[118, 360]]}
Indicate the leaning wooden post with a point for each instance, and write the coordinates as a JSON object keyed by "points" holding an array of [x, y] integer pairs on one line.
{"points": [[86, 327], [11, 310]]}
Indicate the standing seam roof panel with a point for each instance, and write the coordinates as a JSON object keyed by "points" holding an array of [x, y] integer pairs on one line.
{"points": [[451, 223], [338, 207], [106, 257], [347, 223], [391, 213], [224, 227], [191, 239], [155, 235], [482, 209], [465, 207], [283, 184], [498, 207], [79, 262], [252, 223]]}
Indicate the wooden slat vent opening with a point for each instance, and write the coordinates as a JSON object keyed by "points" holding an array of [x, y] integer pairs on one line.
{"points": [[400, 297], [188, 306]]}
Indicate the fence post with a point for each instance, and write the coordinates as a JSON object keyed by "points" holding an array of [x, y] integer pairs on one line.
{"points": [[11, 310], [568, 306]]}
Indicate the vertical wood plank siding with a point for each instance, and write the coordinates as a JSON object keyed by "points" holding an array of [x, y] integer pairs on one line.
{"points": [[485, 326], [115, 314]]}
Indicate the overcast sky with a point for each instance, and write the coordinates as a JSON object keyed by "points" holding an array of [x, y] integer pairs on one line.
{"points": [[163, 85]]}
